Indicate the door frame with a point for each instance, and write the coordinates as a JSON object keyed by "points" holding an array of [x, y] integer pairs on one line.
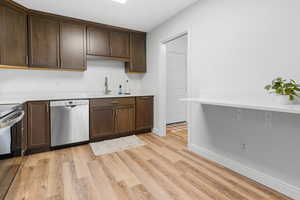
{"points": [[162, 117]]}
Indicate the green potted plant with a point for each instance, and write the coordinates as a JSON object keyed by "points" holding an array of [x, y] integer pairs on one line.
{"points": [[286, 89]]}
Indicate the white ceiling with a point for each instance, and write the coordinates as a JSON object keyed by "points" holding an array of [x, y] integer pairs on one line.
{"points": [[141, 15]]}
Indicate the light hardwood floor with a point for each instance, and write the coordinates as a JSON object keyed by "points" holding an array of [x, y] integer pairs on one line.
{"points": [[163, 169]]}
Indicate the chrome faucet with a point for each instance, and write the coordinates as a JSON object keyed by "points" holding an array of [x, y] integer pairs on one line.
{"points": [[107, 91]]}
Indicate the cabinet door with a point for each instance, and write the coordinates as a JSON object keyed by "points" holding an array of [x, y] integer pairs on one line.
{"points": [[98, 42], [138, 53], [44, 42], [144, 113], [14, 36], [72, 46], [102, 122], [38, 125], [125, 119], [119, 44]]}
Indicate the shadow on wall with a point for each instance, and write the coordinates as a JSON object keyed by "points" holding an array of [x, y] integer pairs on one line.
{"points": [[246, 136]]}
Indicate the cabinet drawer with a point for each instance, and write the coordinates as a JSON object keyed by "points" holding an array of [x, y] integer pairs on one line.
{"points": [[112, 102], [145, 98]]}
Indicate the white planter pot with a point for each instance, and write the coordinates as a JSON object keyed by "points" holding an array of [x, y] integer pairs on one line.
{"points": [[284, 100]]}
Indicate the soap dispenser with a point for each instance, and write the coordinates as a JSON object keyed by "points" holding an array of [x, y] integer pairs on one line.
{"points": [[120, 90], [127, 88]]}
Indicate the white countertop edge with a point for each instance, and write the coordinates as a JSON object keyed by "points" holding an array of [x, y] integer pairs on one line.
{"points": [[257, 105], [67, 96]]}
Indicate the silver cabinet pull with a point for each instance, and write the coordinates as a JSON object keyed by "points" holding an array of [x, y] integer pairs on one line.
{"points": [[145, 98]]}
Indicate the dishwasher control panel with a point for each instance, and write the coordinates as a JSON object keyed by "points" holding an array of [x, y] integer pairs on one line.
{"points": [[69, 103]]}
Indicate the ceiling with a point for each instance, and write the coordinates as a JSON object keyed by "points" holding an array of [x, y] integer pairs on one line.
{"points": [[141, 15]]}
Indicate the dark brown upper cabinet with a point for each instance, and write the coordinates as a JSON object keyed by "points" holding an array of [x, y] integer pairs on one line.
{"points": [[72, 46], [55, 44], [13, 36], [137, 62], [39, 40], [144, 113], [44, 42], [98, 41], [38, 126], [119, 44]]}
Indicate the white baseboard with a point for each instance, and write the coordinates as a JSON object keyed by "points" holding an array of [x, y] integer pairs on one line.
{"points": [[155, 131], [269, 181]]}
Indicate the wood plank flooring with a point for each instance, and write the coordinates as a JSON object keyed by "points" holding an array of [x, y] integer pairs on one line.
{"points": [[8, 170], [161, 170]]}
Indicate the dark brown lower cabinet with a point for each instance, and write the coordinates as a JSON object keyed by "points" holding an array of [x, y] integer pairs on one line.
{"points": [[38, 133], [111, 117], [102, 122], [144, 113], [125, 119]]}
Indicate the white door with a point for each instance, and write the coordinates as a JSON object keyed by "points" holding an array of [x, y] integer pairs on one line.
{"points": [[176, 87]]}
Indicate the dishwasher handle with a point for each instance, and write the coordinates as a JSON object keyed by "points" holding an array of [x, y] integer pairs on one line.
{"points": [[71, 106]]}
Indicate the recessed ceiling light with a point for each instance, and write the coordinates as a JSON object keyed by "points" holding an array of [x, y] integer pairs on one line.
{"points": [[120, 1]]}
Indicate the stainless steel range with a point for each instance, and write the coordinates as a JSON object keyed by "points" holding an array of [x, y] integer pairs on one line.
{"points": [[6, 109], [10, 114]]}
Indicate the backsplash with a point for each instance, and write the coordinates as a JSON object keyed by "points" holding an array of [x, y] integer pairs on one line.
{"points": [[28, 81]]}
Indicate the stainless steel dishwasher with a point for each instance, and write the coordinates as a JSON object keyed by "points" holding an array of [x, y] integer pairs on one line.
{"points": [[69, 122]]}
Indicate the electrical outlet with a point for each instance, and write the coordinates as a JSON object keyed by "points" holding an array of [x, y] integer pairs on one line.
{"points": [[239, 114], [268, 119], [243, 147]]}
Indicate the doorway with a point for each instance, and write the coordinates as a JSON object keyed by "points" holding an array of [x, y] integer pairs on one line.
{"points": [[176, 77]]}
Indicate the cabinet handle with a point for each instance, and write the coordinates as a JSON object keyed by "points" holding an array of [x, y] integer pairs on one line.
{"points": [[114, 102], [27, 60], [145, 98], [59, 61], [115, 120]]}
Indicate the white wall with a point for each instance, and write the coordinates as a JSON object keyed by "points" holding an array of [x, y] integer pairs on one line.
{"points": [[176, 80], [236, 47], [24, 81]]}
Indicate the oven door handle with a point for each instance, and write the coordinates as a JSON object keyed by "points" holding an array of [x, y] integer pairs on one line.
{"points": [[12, 119]]}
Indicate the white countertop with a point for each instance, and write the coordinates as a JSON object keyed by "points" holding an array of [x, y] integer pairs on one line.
{"points": [[254, 103], [39, 96]]}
